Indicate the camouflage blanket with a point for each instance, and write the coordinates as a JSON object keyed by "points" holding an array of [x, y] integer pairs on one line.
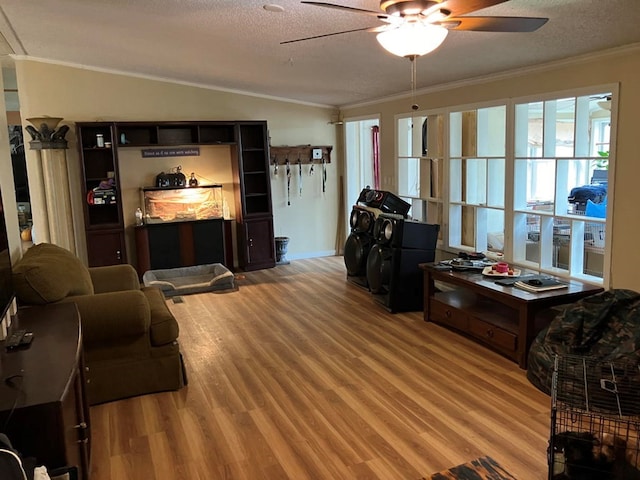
{"points": [[604, 326]]}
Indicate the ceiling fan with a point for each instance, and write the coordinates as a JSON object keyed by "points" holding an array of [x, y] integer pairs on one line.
{"points": [[416, 27], [603, 101]]}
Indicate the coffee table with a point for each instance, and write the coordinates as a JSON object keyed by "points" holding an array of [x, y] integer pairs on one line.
{"points": [[504, 318]]}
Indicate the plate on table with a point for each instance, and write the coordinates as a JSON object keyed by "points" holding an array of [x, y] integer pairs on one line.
{"points": [[462, 264], [492, 273]]}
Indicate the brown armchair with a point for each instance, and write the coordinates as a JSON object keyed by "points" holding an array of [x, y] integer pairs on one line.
{"points": [[130, 336]]}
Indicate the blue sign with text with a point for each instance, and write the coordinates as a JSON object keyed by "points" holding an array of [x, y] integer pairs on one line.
{"points": [[171, 152]]}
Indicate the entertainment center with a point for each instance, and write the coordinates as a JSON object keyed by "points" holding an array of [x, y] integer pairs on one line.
{"points": [[103, 145]]}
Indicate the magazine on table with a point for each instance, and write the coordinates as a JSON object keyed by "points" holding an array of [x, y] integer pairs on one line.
{"points": [[540, 284]]}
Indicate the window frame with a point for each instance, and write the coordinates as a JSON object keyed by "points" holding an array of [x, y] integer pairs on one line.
{"points": [[512, 214]]}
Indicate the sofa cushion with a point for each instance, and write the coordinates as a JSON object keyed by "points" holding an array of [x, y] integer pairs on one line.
{"points": [[48, 273]]}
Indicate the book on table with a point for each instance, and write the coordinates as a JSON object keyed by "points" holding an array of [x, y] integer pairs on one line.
{"points": [[540, 284]]}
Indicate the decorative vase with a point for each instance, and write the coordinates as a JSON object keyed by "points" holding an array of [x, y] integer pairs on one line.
{"points": [[282, 243]]}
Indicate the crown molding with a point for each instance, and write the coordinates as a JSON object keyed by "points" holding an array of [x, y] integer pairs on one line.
{"points": [[165, 80]]}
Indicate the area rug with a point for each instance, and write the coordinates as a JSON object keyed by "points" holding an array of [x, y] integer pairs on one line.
{"points": [[214, 277], [485, 468]]}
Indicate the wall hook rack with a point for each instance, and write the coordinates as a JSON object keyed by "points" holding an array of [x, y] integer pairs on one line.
{"points": [[304, 153]]}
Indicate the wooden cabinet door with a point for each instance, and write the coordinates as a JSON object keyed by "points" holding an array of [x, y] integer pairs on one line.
{"points": [[164, 246], [106, 248], [76, 426], [259, 244], [208, 242]]}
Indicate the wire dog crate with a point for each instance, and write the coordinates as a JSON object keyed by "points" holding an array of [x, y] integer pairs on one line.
{"points": [[595, 420]]}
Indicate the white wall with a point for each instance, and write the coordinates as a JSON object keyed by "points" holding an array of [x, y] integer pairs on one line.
{"points": [[78, 94]]}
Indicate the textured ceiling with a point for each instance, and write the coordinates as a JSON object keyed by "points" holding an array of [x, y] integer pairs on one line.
{"points": [[235, 44]]}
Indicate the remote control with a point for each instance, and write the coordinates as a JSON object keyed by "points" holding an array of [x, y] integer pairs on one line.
{"points": [[14, 339]]}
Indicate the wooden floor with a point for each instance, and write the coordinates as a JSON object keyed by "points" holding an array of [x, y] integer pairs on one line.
{"points": [[301, 375]]}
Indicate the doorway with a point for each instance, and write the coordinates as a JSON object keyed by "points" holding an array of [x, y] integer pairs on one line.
{"points": [[361, 151]]}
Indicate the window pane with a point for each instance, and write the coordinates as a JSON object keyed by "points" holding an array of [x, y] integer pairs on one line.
{"points": [[475, 171], [435, 216], [529, 129], [404, 137], [560, 126], [583, 184], [409, 177], [561, 244], [495, 182], [435, 136], [462, 227], [495, 230], [412, 136], [534, 188], [491, 131], [455, 180]]}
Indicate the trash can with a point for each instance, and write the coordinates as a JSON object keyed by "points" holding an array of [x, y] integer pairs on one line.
{"points": [[282, 243]]}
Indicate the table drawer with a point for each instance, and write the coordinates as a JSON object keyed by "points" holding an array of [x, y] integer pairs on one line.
{"points": [[448, 315], [493, 335]]}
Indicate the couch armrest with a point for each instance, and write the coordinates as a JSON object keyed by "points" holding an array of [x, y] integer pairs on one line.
{"points": [[114, 315], [164, 327], [114, 278]]}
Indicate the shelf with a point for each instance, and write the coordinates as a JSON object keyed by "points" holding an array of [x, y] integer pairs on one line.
{"points": [[182, 133], [98, 165], [217, 134], [148, 189], [136, 135], [252, 136], [96, 149], [255, 194], [177, 135]]}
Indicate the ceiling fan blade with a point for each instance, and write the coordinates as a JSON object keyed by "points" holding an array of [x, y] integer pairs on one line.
{"points": [[371, 29], [495, 24], [350, 9], [461, 7]]}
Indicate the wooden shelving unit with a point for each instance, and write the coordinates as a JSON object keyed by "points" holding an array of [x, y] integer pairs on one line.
{"points": [[103, 219], [250, 163]]}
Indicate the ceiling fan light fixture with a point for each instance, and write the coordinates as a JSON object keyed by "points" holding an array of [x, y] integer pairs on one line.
{"points": [[407, 7], [605, 104], [412, 39]]}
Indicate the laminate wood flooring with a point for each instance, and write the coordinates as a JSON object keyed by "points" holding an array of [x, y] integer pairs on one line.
{"points": [[302, 375]]}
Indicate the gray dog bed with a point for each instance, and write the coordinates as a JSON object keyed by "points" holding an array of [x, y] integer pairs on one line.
{"points": [[186, 280]]}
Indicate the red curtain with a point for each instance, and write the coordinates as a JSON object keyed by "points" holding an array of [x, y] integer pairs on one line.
{"points": [[375, 134]]}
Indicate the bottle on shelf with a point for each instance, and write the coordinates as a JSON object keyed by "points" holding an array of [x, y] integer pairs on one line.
{"points": [[193, 181], [139, 217], [225, 209], [99, 140]]}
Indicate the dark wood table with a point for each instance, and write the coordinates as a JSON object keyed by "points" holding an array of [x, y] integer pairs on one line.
{"points": [[506, 319], [43, 405]]}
